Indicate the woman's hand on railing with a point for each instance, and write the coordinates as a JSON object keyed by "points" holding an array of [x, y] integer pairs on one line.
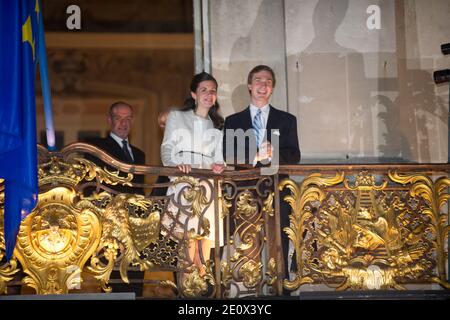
{"points": [[218, 167], [185, 168]]}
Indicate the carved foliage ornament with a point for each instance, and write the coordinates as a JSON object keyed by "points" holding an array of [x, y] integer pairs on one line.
{"points": [[122, 233], [71, 172], [436, 196]]}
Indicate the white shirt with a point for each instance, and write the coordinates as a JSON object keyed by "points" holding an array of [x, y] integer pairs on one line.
{"points": [[119, 141], [264, 113]]}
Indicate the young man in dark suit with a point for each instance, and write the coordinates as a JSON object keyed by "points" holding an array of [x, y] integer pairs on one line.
{"points": [[269, 137], [120, 120]]}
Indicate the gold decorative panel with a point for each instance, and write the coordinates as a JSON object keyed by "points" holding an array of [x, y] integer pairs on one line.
{"points": [[365, 234], [55, 241], [250, 205], [68, 230]]}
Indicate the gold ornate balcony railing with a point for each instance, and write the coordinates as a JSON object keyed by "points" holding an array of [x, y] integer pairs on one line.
{"points": [[352, 227]]}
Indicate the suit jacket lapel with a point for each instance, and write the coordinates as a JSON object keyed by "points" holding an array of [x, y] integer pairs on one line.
{"points": [[247, 120], [116, 149], [246, 124], [271, 123], [137, 155]]}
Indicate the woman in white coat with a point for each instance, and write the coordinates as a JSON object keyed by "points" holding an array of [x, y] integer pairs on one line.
{"points": [[193, 139]]}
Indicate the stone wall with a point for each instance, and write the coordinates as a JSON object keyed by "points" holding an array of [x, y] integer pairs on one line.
{"points": [[358, 93]]}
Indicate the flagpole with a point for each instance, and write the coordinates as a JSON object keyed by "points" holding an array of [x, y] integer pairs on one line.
{"points": [[45, 83]]}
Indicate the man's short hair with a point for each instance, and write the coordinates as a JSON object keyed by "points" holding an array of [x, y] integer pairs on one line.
{"points": [[259, 68], [117, 104]]}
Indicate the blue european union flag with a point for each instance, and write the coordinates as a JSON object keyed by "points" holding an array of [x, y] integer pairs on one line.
{"points": [[18, 151]]}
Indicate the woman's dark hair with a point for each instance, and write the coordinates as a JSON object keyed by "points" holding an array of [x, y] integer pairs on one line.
{"points": [[189, 103]]}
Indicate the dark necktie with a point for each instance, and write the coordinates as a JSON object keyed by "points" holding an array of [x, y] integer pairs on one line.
{"points": [[125, 150]]}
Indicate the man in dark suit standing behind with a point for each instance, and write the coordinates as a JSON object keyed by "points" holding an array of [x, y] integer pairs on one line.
{"points": [[270, 137], [120, 120], [117, 144]]}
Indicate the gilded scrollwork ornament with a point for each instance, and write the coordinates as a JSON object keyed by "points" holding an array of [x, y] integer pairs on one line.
{"points": [[101, 271], [226, 274], [435, 195], [9, 268], [363, 244], [249, 240], [365, 236], [194, 199], [310, 191], [55, 241], [251, 273], [195, 284], [226, 205], [67, 229], [268, 205], [73, 171], [122, 232], [272, 272]]}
